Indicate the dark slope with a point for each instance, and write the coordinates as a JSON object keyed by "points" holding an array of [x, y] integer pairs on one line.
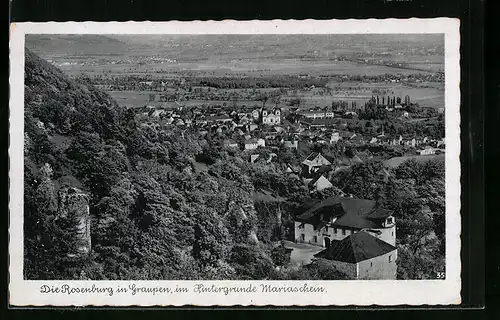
{"points": [[64, 104]]}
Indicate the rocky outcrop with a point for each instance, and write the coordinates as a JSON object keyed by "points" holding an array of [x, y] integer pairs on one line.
{"points": [[74, 207]]}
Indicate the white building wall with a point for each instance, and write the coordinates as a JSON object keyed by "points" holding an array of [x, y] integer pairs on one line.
{"points": [[251, 146], [332, 233], [388, 235], [338, 233], [383, 267]]}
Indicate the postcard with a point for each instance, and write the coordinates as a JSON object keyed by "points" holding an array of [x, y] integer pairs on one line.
{"points": [[223, 163]]}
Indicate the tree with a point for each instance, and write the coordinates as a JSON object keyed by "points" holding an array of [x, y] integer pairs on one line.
{"points": [[365, 181], [211, 240], [280, 255], [250, 262]]}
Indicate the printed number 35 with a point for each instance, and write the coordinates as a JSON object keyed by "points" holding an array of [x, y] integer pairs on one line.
{"points": [[440, 275]]}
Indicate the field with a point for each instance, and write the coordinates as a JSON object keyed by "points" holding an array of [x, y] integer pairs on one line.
{"points": [[141, 98], [396, 161], [241, 54], [235, 68], [426, 95], [133, 98], [256, 55]]}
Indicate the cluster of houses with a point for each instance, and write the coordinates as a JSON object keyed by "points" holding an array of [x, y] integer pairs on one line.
{"points": [[266, 127]]}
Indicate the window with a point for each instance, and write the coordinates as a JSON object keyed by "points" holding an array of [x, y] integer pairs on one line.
{"points": [[371, 264], [335, 230], [315, 239], [390, 258], [343, 232], [392, 234], [326, 228], [302, 237]]}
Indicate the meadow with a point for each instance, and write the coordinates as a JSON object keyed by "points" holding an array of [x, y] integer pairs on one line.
{"points": [[262, 67]]}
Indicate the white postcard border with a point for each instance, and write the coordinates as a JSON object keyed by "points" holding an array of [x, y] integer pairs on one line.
{"points": [[341, 293]]}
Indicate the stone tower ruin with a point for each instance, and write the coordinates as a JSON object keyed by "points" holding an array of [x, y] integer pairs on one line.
{"points": [[74, 206]]}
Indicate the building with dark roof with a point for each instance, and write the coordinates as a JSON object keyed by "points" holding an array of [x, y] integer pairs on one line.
{"points": [[337, 217], [362, 256], [312, 163]]}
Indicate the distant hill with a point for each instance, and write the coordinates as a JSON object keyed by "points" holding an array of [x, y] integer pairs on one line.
{"points": [[258, 46], [48, 46], [223, 47]]}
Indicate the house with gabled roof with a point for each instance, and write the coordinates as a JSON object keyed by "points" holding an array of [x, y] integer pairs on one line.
{"points": [[359, 236], [313, 162], [319, 183], [362, 256], [338, 217], [290, 169]]}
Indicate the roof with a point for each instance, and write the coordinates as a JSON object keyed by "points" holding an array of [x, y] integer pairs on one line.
{"points": [[218, 117], [324, 168], [310, 160], [350, 212], [318, 178], [348, 205], [379, 213], [312, 156], [355, 248], [289, 169], [355, 221]]}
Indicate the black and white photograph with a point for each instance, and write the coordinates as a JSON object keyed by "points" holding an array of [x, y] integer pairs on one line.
{"points": [[207, 157]]}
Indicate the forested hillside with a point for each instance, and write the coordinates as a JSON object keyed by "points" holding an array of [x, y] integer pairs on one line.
{"points": [[157, 211]]}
